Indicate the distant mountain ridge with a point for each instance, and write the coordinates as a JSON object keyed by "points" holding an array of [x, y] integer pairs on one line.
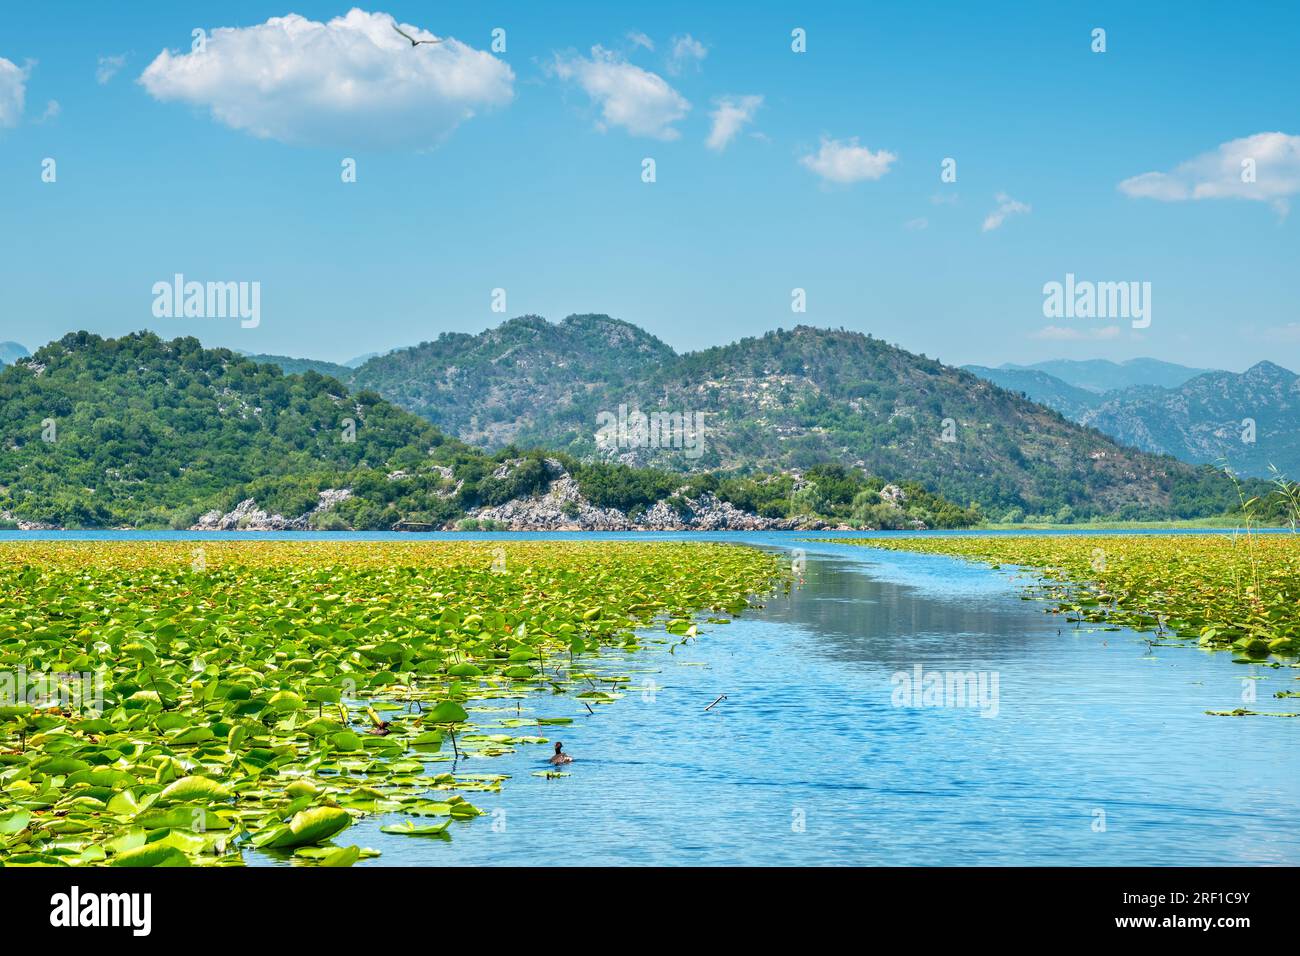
{"points": [[1249, 421], [787, 399], [11, 352]]}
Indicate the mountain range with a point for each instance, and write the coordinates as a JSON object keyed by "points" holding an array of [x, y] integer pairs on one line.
{"points": [[789, 399], [800, 422], [1248, 421]]}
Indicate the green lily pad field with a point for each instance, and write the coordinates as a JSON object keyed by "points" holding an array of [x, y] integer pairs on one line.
{"points": [[178, 703]]}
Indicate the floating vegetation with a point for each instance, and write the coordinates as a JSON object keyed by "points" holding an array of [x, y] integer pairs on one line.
{"points": [[1228, 592], [167, 704]]}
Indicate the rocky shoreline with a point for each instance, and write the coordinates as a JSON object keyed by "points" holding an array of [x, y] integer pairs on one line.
{"points": [[561, 508]]}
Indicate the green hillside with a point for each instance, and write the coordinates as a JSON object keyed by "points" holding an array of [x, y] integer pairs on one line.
{"points": [[150, 433]]}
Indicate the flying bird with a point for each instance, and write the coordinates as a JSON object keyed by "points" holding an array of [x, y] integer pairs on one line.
{"points": [[414, 41]]}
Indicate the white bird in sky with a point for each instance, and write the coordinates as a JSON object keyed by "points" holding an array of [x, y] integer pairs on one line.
{"points": [[414, 41]]}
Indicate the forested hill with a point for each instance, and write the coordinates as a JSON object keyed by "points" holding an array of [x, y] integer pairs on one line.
{"points": [[527, 378], [143, 432]]}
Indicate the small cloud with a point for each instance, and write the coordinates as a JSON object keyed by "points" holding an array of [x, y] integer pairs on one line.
{"points": [[353, 80], [686, 52], [844, 161], [641, 40], [1006, 207], [52, 111], [1057, 333], [916, 225], [944, 199], [13, 92], [639, 101], [107, 68], [733, 113], [1264, 167]]}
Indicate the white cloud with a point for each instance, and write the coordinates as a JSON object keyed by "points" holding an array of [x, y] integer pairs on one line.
{"points": [[52, 111], [640, 39], [1006, 207], [733, 113], [13, 92], [350, 82], [917, 224], [107, 66], [639, 101], [1218, 174], [1058, 333], [686, 51], [844, 161]]}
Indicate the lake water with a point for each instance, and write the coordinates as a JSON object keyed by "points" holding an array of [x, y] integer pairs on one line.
{"points": [[1096, 749]]}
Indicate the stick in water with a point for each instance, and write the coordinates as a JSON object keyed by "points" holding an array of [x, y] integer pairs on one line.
{"points": [[715, 703]]}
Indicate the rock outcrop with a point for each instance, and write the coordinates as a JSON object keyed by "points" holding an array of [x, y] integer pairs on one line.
{"points": [[24, 525], [248, 517], [563, 507]]}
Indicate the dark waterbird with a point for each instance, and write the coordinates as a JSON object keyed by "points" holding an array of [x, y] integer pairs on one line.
{"points": [[560, 756]]}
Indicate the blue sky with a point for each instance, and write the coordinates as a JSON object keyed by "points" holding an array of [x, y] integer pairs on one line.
{"points": [[833, 185]]}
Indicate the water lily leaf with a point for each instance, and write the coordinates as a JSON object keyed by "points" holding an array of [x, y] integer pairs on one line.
{"points": [[59, 765], [343, 856], [128, 840], [448, 712], [181, 817], [346, 741], [193, 789], [151, 855], [101, 777], [430, 740], [411, 828], [313, 826], [14, 821]]}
